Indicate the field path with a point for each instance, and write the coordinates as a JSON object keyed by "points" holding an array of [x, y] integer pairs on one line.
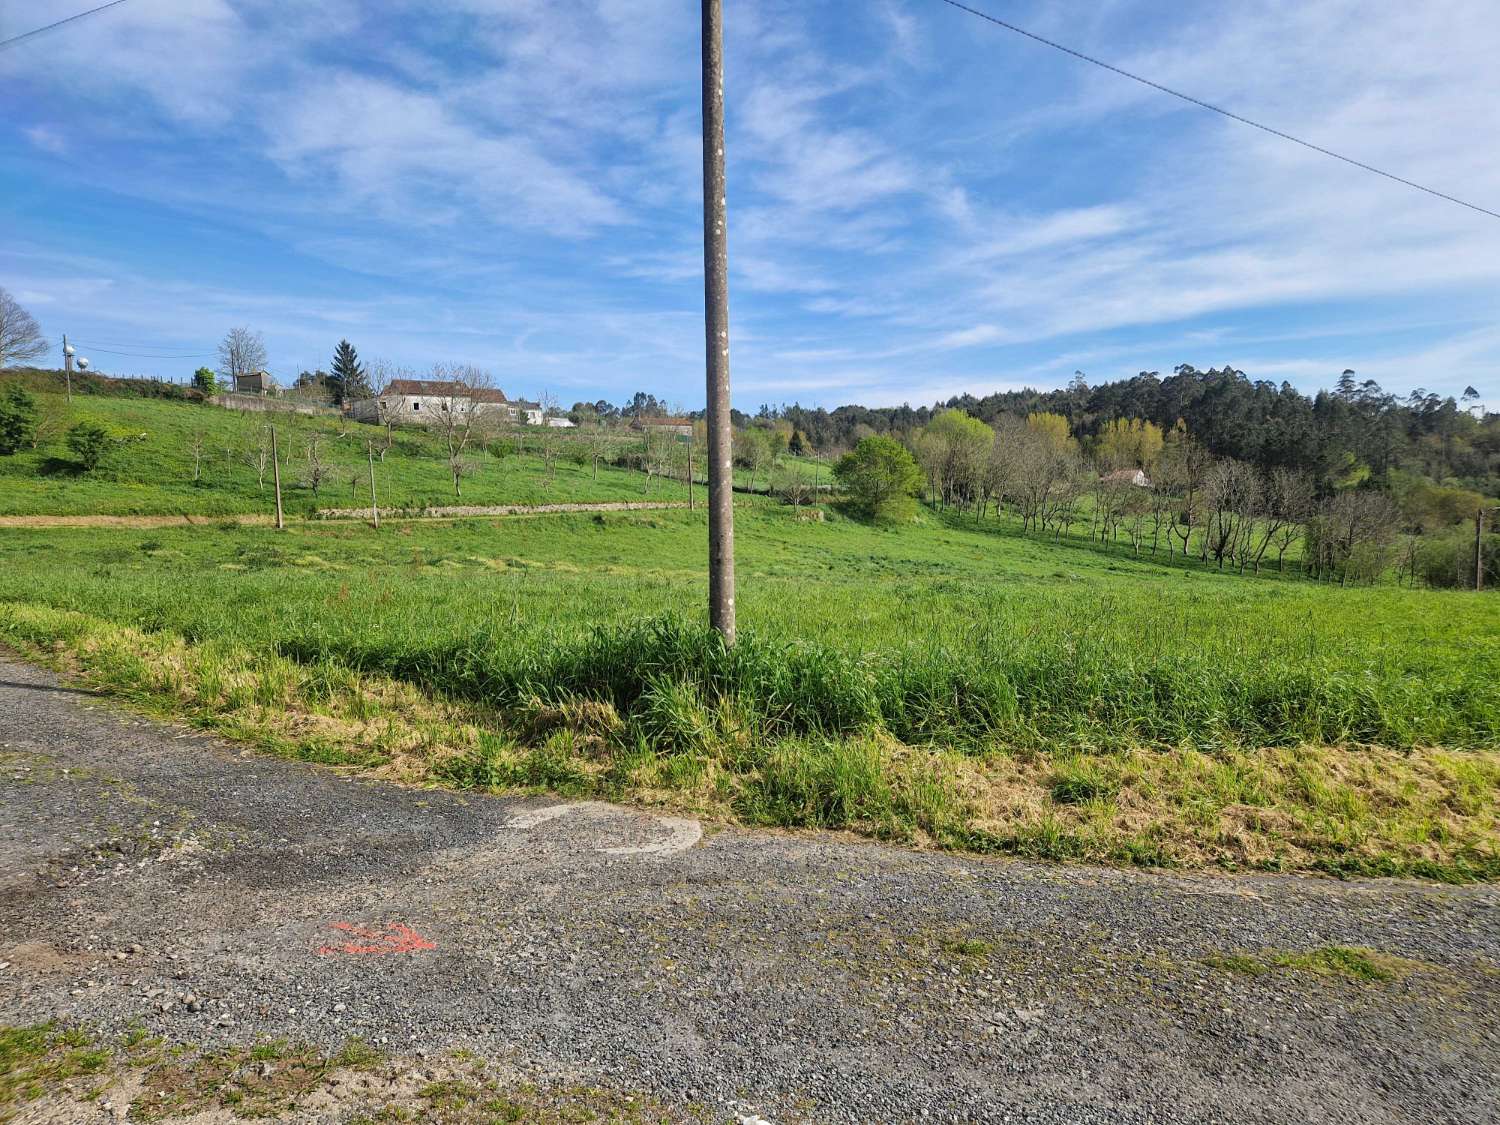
{"points": [[770, 976], [456, 512]]}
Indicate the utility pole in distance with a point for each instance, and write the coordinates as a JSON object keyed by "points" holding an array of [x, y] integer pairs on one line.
{"points": [[68, 367], [276, 476], [716, 329], [374, 505]]}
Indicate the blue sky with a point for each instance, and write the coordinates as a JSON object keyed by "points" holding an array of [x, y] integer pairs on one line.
{"points": [[920, 203]]}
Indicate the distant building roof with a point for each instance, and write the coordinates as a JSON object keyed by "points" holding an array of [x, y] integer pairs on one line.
{"points": [[435, 388], [1128, 476]]}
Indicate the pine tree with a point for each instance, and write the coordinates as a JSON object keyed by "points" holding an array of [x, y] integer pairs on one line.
{"points": [[348, 380]]}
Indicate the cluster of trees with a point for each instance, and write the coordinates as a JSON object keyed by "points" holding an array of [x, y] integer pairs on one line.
{"points": [[1164, 491], [1350, 435], [243, 352]]}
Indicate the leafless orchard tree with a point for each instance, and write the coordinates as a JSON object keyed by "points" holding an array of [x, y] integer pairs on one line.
{"points": [[1349, 536], [1230, 490], [195, 448], [656, 454], [317, 468], [258, 453], [465, 415], [20, 336], [548, 438], [598, 441], [241, 352], [1183, 469], [1293, 496]]}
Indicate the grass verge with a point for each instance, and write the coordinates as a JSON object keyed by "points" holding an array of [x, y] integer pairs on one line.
{"points": [[56, 1069], [661, 731]]}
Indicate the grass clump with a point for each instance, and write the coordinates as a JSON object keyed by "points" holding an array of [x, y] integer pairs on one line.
{"points": [[1366, 966]]}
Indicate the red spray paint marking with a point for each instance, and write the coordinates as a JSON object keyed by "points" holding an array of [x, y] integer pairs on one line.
{"points": [[394, 938]]}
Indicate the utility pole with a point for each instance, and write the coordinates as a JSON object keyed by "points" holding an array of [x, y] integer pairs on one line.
{"points": [[716, 329], [276, 473], [374, 506], [68, 367]]}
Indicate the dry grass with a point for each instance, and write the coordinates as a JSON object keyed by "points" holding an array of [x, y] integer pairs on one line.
{"points": [[1346, 810]]}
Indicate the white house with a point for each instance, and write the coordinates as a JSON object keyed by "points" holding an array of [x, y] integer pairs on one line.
{"points": [[560, 423], [1136, 477], [424, 401]]}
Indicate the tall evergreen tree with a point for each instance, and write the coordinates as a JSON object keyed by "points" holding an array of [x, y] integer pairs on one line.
{"points": [[348, 380]]}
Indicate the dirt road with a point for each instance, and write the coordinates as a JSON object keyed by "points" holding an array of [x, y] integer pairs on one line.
{"points": [[247, 518], [734, 975]]}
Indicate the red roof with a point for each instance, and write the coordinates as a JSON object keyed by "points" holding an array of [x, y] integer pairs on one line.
{"points": [[433, 388]]}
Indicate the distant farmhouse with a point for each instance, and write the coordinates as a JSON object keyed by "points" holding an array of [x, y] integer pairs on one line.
{"points": [[258, 383], [1136, 477], [424, 401]]}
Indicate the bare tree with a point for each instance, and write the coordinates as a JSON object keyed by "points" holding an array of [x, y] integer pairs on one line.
{"points": [[1349, 536], [258, 453], [241, 352], [195, 447], [465, 413], [1229, 492], [792, 485], [317, 468], [20, 335], [547, 438], [1292, 497], [597, 440]]}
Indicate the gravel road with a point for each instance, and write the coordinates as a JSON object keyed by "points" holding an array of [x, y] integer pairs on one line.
{"points": [[797, 978]]}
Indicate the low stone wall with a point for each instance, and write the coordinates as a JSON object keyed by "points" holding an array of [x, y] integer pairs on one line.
{"points": [[268, 404]]}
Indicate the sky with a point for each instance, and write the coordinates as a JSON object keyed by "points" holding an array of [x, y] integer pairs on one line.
{"points": [[920, 203]]}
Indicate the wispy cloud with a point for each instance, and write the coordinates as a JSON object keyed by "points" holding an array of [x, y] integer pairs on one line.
{"points": [[918, 201]]}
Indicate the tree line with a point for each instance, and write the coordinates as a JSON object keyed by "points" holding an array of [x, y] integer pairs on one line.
{"points": [[1164, 491], [1352, 434]]}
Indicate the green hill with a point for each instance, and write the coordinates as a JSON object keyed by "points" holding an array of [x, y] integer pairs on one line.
{"points": [[151, 466]]}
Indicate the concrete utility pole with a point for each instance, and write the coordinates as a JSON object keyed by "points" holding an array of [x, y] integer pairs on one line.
{"points": [[716, 329], [374, 506], [68, 367], [276, 474]]}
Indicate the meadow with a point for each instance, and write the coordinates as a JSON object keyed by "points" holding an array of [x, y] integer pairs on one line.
{"points": [[945, 683], [151, 469]]}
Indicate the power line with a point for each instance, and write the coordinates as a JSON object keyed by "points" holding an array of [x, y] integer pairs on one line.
{"points": [[128, 348], [4, 43], [144, 355], [1218, 109]]}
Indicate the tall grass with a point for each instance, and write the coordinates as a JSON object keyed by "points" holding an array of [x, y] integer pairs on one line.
{"points": [[934, 637]]}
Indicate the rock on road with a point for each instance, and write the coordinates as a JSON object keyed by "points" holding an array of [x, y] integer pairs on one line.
{"points": [[789, 977]]}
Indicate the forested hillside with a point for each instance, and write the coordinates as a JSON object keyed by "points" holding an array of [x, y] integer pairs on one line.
{"points": [[1354, 433]]}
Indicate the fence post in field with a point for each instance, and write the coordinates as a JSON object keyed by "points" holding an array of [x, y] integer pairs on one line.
{"points": [[716, 329], [374, 506], [276, 473], [1479, 550]]}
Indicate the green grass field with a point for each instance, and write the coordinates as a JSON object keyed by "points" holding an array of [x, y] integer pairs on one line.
{"points": [[963, 685], [151, 472]]}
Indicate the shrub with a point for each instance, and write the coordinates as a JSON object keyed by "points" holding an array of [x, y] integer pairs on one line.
{"points": [[18, 418], [90, 443], [881, 478]]}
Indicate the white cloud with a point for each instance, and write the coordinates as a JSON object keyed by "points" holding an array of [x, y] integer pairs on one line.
{"points": [[47, 138]]}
